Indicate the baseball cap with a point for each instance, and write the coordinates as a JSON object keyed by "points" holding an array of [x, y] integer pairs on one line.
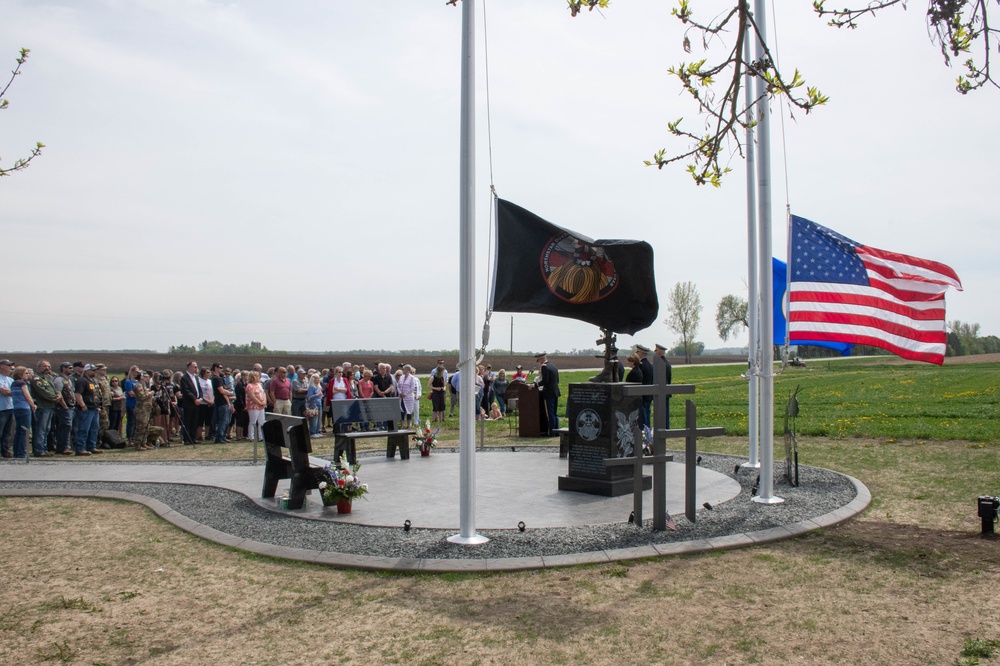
{"points": [[65, 364], [6, 361], [78, 364], [89, 366], [100, 366]]}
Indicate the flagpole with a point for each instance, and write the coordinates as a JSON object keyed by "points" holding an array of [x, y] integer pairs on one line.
{"points": [[753, 352], [766, 490], [467, 282]]}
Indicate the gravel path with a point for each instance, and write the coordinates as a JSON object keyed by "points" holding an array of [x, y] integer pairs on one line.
{"points": [[820, 492]]}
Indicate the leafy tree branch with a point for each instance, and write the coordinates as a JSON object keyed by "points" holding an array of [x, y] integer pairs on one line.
{"points": [[21, 163], [957, 26]]}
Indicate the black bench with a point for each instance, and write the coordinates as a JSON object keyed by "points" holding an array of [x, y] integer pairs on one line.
{"points": [[349, 415], [291, 432]]}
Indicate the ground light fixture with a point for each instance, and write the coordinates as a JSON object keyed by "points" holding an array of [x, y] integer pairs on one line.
{"points": [[989, 511], [406, 525], [520, 526]]}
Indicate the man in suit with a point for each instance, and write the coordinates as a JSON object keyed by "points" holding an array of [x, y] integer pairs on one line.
{"points": [[647, 380], [548, 386], [191, 399]]}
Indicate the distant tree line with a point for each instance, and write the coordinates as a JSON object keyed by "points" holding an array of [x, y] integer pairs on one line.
{"points": [[216, 347], [964, 340]]}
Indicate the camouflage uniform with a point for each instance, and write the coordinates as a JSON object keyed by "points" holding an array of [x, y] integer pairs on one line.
{"points": [[143, 413], [104, 398]]}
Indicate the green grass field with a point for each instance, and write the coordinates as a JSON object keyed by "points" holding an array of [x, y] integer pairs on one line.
{"points": [[855, 398]]}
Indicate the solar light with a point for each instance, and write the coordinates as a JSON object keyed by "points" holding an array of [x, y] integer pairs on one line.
{"points": [[989, 511], [406, 525], [736, 470], [707, 506], [521, 525], [698, 461], [631, 518]]}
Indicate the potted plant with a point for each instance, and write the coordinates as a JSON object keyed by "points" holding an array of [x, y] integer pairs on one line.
{"points": [[426, 440], [340, 484]]}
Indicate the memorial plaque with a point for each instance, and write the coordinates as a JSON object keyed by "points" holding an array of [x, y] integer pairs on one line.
{"points": [[603, 423]]}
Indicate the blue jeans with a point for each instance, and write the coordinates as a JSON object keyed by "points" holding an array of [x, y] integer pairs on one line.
{"points": [[64, 428], [23, 418], [40, 435], [6, 419], [221, 421], [86, 430]]}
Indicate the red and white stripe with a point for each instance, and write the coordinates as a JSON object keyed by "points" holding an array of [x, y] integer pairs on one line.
{"points": [[902, 310]]}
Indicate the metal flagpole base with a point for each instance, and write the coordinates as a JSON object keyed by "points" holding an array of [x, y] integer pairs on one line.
{"points": [[473, 540], [768, 500], [750, 465]]}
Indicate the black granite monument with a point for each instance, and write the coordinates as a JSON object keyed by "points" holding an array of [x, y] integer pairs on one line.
{"points": [[603, 423]]}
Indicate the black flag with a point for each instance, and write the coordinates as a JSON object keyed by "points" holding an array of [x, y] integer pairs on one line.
{"points": [[546, 269]]}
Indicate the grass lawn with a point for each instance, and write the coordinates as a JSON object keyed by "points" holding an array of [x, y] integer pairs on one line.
{"points": [[908, 582]]}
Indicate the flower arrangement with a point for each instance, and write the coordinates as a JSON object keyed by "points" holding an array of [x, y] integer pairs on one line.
{"points": [[647, 441], [341, 482], [426, 440]]}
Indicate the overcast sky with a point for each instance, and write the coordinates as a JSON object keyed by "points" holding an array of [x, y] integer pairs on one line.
{"points": [[288, 172]]}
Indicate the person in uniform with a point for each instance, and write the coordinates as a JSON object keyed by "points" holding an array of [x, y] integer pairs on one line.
{"points": [[144, 399], [647, 379], [661, 351], [548, 386], [104, 389]]}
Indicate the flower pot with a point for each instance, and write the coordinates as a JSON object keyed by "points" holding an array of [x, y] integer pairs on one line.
{"points": [[424, 452], [344, 506]]}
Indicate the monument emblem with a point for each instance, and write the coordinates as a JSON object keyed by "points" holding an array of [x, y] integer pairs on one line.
{"points": [[626, 432], [588, 425]]}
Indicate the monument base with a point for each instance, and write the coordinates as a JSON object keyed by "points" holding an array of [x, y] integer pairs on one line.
{"points": [[603, 487]]}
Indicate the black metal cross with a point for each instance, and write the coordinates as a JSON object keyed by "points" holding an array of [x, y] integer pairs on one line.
{"points": [[690, 432], [660, 390], [637, 462]]}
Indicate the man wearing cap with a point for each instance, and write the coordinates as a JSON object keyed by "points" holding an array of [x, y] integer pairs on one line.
{"points": [[661, 351], [647, 380], [548, 386], [6, 407], [63, 414], [88, 411], [279, 392], [520, 375], [44, 393]]}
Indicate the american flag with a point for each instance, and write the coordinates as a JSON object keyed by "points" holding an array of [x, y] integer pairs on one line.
{"points": [[843, 291]]}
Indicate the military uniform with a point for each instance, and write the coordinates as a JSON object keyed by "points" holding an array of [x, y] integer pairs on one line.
{"points": [[104, 393], [144, 399]]}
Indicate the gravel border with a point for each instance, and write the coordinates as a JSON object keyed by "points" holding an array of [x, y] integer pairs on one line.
{"points": [[823, 498]]}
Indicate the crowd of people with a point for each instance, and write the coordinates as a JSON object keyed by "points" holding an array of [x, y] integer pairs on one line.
{"points": [[81, 409]]}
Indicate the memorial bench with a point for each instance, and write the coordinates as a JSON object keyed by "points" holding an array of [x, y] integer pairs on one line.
{"points": [[292, 433], [348, 415]]}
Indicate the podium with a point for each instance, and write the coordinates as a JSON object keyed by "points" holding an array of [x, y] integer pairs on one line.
{"points": [[533, 420]]}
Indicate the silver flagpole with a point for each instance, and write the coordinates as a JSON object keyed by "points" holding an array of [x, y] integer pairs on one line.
{"points": [[766, 492], [753, 353], [467, 283]]}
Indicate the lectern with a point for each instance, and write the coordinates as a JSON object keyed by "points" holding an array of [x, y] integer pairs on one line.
{"points": [[534, 422]]}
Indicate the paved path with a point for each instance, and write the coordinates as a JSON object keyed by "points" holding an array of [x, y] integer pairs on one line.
{"points": [[510, 487]]}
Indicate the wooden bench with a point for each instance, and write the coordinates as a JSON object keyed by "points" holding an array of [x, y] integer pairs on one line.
{"points": [[291, 432], [349, 415]]}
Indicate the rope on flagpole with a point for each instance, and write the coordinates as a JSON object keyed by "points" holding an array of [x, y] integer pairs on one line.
{"points": [[481, 354]]}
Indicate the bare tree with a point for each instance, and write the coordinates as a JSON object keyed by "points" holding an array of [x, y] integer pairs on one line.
{"points": [[730, 315], [684, 314]]}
